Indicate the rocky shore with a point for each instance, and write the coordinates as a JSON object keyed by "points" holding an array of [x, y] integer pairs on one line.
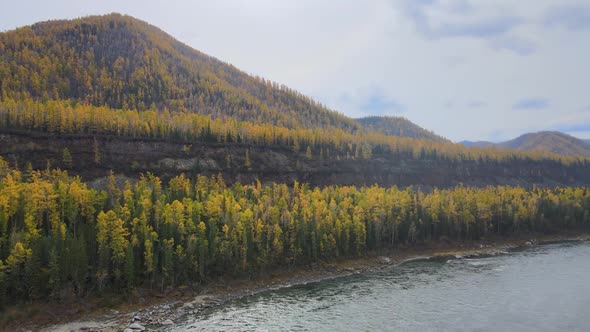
{"points": [[160, 313]]}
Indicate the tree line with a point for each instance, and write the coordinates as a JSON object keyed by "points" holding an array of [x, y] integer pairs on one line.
{"points": [[68, 117], [58, 237]]}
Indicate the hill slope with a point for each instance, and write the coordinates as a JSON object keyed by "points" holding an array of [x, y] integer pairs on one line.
{"points": [[67, 80], [122, 62], [545, 141], [550, 141], [397, 126]]}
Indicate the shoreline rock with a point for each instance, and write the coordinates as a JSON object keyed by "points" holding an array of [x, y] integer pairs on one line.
{"points": [[168, 313]]}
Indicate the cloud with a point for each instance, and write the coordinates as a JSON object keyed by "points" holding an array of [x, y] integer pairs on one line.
{"points": [[477, 104], [569, 17], [531, 104], [440, 20], [576, 123], [492, 27], [379, 104], [575, 128], [454, 61], [517, 45], [581, 131], [436, 20]]}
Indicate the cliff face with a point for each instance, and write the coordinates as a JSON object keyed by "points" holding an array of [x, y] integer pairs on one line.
{"points": [[131, 157]]}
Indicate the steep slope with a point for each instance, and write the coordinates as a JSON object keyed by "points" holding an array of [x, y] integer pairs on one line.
{"points": [[167, 158], [68, 80], [398, 126], [122, 62], [550, 141]]}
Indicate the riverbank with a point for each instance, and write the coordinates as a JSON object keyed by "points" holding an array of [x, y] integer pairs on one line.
{"points": [[156, 310]]}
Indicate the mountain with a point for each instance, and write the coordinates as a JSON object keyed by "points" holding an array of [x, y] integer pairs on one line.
{"points": [[550, 141], [546, 141], [113, 93], [479, 144], [398, 126], [124, 63]]}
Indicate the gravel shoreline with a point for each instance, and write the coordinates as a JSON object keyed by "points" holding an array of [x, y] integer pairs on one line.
{"points": [[158, 313]]}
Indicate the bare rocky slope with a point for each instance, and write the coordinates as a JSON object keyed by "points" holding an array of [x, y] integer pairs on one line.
{"points": [[131, 157]]}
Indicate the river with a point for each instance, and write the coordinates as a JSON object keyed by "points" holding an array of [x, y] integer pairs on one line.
{"points": [[544, 288]]}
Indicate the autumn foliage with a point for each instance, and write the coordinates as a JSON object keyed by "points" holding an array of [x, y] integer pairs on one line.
{"points": [[57, 235]]}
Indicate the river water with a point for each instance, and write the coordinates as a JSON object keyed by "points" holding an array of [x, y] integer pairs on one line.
{"points": [[544, 288]]}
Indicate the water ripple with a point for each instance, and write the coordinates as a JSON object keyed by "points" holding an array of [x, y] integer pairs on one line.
{"points": [[539, 289]]}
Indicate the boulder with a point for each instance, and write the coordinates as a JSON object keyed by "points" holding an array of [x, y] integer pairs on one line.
{"points": [[168, 322], [383, 260], [137, 327]]}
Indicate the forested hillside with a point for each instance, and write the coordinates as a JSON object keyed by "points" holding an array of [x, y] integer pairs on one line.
{"points": [[547, 141], [66, 117], [116, 75], [398, 126], [58, 238], [550, 141], [128, 159], [124, 63]]}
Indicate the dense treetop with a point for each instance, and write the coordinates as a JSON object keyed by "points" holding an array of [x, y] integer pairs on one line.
{"points": [[67, 117], [59, 237]]}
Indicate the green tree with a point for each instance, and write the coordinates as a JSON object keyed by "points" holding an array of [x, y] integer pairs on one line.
{"points": [[66, 157], [96, 151], [248, 162]]}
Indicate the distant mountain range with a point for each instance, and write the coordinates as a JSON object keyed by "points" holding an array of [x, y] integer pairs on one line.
{"points": [[479, 144], [398, 126], [549, 141]]}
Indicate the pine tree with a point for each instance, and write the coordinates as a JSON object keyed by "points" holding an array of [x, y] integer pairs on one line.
{"points": [[67, 157], [54, 282], [248, 162], [96, 150]]}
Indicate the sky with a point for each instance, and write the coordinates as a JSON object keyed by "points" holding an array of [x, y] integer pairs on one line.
{"points": [[467, 70]]}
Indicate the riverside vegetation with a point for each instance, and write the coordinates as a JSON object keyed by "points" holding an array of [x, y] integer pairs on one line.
{"points": [[59, 238], [115, 78]]}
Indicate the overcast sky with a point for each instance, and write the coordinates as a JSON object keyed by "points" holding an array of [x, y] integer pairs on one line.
{"points": [[477, 70]]}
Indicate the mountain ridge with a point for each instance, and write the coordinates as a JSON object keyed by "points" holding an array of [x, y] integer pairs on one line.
{"points": [[479, 144], [548, 141], [398, 126], [125, 63]]}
